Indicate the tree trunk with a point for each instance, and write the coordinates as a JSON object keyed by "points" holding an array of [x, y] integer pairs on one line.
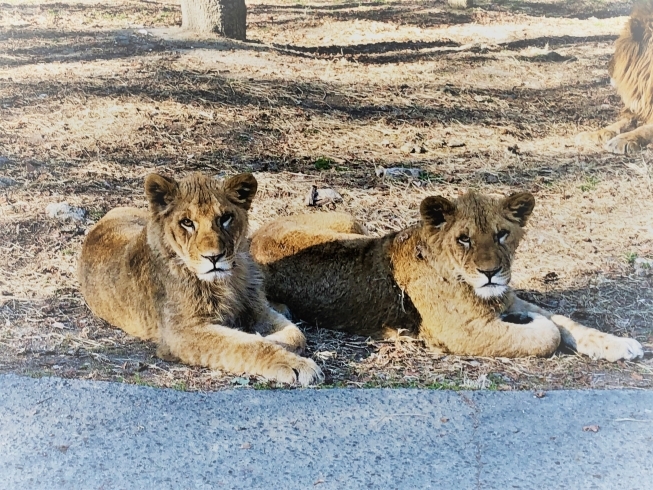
{"points": [[225, 17]]}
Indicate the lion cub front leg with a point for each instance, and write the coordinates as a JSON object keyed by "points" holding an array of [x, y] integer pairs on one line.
{"points": [[585, 340], [279, 329], [227, 349], [605, 134], [632, 141]]}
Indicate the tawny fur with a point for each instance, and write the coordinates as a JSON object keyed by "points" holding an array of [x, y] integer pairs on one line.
{"points": [[181, 274], [445, 280], [631, 70]]}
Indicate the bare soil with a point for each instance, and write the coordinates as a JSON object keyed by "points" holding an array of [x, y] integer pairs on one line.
{"points": [[95, 95]]}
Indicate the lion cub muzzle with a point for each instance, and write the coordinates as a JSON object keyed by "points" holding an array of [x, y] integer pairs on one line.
{"points": [[491, 283], [214, 266]]}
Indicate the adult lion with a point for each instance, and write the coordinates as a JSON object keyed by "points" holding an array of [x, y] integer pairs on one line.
{"points": [[631, 70], [181, 275], [444, 280]]}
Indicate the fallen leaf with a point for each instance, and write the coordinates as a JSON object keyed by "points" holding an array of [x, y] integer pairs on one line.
{"points": [[591, 428]]}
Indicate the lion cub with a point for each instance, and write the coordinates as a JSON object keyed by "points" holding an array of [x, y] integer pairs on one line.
{"points": [[630, 71], [181, 275], [445, 280]]}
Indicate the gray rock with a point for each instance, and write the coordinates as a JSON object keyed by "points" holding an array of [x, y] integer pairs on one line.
{"points": [[397, 172], [6, 182], [64, 212]]}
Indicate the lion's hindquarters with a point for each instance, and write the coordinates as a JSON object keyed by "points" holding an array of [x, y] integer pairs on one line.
{"points": [[112, 292], [219, 347], [287, 236]]}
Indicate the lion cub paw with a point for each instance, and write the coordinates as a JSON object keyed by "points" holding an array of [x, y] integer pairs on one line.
{"points": [[611, 348], [623, 144], [594, 137], [294, 369], [290, 338]]}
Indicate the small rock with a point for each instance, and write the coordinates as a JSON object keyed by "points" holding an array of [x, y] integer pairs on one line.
{"points": [[461, 4], [395, 172], [643, 267], [322, 197], [490, 178], [6, 182], [63, 211]]}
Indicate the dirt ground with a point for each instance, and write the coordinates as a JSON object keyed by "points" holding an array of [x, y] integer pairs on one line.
{"points": [[95, 95]]}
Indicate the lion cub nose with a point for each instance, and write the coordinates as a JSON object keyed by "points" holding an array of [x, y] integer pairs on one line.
{"points": [[214, 257], [490, 274]]}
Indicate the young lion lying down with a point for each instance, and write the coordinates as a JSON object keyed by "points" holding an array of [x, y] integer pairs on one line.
{"points": [[181, 275], [445, 280]]}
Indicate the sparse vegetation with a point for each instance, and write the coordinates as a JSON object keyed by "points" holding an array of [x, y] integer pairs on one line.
{"points": [[327, 92]]}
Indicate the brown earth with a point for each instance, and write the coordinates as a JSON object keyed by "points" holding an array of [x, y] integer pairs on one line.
{"points": [[94, 95]]}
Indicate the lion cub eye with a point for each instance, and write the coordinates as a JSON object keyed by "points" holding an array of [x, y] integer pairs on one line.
{"points": [[225, 220], [464, 241], [502, 235], [188, 224]]}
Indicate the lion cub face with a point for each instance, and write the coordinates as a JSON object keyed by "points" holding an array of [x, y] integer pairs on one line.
{"points": [[202, 220], [479, 234]]}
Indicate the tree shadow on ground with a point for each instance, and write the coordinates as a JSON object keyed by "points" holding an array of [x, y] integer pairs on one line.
{"points": [[70, 47], [425, 14], [576, 9]]}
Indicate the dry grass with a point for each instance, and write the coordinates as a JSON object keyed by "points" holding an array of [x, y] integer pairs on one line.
{"points": [[93, 96]]}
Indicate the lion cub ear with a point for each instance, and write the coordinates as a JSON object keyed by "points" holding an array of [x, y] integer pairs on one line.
{"points": [[518, 207], [436, 211], [241, 189], [160, 191]]}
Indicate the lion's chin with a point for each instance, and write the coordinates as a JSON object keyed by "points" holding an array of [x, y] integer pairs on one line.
{"points": [[491, 291], [215, 275]]}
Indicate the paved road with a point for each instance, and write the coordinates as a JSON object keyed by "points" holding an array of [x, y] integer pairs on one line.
{"points": [[72, 434]]}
